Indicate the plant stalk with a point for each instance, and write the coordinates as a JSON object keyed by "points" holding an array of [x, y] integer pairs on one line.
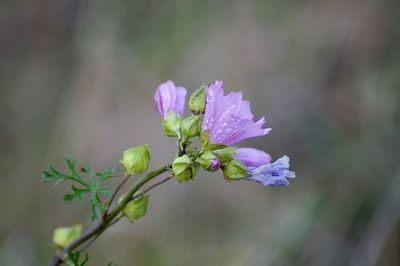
{"points": [[107, 218]]}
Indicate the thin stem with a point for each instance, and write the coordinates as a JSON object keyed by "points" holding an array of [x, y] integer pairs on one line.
{"points": [[91, 241], [121, 215], [100, 232], [132, 192], [116, 220], [104, 223], [157, 184], [115, 194], [182, 145]]}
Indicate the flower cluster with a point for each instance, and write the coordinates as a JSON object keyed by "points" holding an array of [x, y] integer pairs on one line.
{"points": [[220, 121]]}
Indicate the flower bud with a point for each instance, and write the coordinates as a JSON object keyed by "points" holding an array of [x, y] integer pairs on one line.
{"points": [[191, 126], [197, 102], [168, 97], [214, 165], [183, 168], [63, 236], [208, 161], [171, 124], [136, 160], [235, 170], [225, 155], [136, 208]]}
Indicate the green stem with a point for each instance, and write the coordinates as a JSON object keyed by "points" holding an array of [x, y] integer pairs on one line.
{"points": [[132, 191], [108, 218]]}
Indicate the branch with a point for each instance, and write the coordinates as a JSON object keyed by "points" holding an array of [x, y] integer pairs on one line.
{"points": [[103, 224], [121, 215]]}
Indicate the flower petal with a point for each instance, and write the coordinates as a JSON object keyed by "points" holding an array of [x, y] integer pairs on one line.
{"points": [[273, 174], [214, 93], [252, 157], [180, 100], [270, 181]]}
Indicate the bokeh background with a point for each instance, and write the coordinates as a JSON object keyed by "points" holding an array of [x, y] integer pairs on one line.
{"points": [[78, 77]]}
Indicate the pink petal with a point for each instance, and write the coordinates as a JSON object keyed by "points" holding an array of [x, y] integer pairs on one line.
{"points": [[252, 157]]}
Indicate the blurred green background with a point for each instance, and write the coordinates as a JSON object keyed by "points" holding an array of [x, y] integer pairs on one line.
{"points": [[77, 78]]}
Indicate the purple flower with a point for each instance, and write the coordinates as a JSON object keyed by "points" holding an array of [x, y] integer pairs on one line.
{"points": [[252, 157], [229, 118], [170, 98], [272, 174]]}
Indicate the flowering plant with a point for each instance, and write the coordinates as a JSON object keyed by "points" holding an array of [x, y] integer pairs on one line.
{"points": [[219, 121]]}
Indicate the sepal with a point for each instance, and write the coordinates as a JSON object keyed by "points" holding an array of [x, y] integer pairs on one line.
{"points": [[136, 208], [225, 155], [191, 126], [171, 124], [183, 168], [235, 170], [208, 161]]}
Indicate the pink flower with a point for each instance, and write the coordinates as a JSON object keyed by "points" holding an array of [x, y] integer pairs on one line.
{"points": [[252, 157], [229, 118], [169, 98]]}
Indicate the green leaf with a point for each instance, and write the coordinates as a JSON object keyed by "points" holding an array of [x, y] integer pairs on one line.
{"points": [[76, 195], [104, 190], [107, 174], [92, 186], [52, 175], [74, 257], [71, 162], [68, 198]]}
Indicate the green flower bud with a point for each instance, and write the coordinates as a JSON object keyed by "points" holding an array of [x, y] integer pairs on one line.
{"points": [[205, 159], [191, 126], [63, 236], [136, 160], [183, 168], [180, 164], [225, 155], [197, 101], [136, 208], [235, 170], [172, 124]]}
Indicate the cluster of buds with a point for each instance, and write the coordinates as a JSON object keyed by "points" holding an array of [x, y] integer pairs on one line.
{"points": [[219, 122], [205, 139]]}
